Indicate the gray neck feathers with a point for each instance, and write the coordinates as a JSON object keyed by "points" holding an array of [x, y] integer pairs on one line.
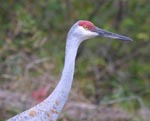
{"points": [[69, 65]]}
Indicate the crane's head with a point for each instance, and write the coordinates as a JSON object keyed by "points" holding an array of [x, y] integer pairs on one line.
{"points": [[84, 29]]}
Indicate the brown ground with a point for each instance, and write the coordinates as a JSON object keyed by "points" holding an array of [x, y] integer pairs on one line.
{"points": [[77, 108]]}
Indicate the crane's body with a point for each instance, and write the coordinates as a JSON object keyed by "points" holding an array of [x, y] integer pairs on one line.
{"points": [[51, 107]]}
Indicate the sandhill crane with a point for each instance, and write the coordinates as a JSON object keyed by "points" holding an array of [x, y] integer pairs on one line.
{"points": [[51, 107]]}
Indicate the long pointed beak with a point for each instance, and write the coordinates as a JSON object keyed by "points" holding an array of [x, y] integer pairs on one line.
{"points": [[104, 33]]}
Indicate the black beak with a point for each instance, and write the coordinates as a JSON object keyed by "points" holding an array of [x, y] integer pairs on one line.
{"points": [[104, 33]]}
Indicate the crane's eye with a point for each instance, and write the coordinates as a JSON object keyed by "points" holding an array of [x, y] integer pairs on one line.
{"points": [[86, 27]]}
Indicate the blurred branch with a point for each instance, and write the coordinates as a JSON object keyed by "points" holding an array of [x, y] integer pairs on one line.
{"points": [[119, 100], [38, 61], [69, 9], [95, 11], [134, 53], [35, 62], [121, 6]]}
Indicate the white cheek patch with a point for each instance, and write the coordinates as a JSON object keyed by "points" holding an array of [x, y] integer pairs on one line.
{"points": [[87, 33], [90, 33]]}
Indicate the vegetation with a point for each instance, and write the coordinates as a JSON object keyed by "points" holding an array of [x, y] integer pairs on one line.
{"points": [[108, 72]]}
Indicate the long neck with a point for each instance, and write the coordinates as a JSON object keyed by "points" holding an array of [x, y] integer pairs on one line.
{"points": [[69, 65]]}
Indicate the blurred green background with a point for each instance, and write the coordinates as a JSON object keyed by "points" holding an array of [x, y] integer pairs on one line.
{"points": [[108, 72]]}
